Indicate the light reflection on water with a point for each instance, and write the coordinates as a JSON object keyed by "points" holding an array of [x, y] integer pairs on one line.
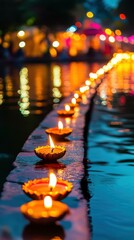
{"points": [[110, 155], [27, 94]]}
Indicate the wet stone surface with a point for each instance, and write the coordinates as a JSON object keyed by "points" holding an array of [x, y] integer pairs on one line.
{"points": [[28, 166]]}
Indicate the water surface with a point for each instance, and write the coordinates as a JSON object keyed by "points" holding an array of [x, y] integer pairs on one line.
{"points": [[110, 155]]}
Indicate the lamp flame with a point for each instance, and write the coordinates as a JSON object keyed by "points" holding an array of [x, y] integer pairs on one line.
{"points": [[60, 125], [47, 202], [51, 143], [52, 180], [67, 108], [73, 100], [76, 95]]}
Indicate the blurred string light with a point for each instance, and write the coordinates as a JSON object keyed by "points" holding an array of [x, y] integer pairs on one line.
{"points": [[1, 91], [55, 44], [72, 29], [56, 84], [21, 33], [90, 14], [122, 16], [9, 86], [111, 39], [24, 92], [118, 32], [22, 44], [102, 37]]}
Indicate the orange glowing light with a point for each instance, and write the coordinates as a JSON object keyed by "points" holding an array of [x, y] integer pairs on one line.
{"points": [[73, 100], [52, 180], [48, 202], [51, 143], [67, 108], [60, 125]]}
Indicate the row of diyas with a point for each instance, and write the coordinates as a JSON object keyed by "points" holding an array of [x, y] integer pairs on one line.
{"points": [[46, 192]]}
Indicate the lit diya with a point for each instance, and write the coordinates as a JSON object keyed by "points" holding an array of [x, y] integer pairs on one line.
{"points": [[77, 97], [73, 103], [50, 153], [44, 211], [39, 188], [59, 132], [65, 112]]}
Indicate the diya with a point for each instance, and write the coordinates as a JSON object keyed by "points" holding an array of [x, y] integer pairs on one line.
{"points": [[65, 112], [59, 132], [77, 97], [44, 211], [39, 188], [50, 153], [73, 103]]}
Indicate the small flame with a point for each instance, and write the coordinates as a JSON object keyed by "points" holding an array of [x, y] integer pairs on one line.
{"points": [[67, 108], [47, 202], [52, 180], [73, 100], [51, 143], [60, 125], [76, 95]]}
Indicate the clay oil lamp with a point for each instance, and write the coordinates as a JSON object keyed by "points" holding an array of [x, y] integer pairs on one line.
{"points": [[73, 103], [59, 132], [67, 112], [77, 97], [44, 211], [39, 188], [50, 153]]}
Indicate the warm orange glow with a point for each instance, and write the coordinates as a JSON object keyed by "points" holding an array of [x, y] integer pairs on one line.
{"points": [[67, 108], [88, 83], [51, 143], [118, 32], [52, 180], [48, 202], [73, 100], [60, 125]]}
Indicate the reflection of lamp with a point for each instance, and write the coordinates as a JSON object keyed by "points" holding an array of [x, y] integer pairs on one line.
{"points": [[36, 231], [44, 211], [50, 152], [59, 132]]}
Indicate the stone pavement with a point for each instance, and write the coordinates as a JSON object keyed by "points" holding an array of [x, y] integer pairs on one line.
{"points": [[28, 166]]}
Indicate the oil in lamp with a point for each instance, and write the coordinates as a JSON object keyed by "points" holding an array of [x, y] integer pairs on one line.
{"points": [[59, 132], [39, 188], [65, 112], [50, 153], [44, 211]]}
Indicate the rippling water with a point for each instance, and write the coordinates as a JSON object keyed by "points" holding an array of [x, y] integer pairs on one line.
{"points": [[27, 94], [110, 154]]}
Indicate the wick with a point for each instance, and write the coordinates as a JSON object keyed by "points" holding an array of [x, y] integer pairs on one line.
{"points": [[59, 130], [51, 188], [52, 150]]}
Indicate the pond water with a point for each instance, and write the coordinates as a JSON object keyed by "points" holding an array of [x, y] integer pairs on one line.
{"points": [[27, 94], [110, 157]]}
